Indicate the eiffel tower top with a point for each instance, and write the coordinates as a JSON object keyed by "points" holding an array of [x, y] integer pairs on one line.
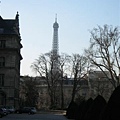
{"points": [[56, 25]]}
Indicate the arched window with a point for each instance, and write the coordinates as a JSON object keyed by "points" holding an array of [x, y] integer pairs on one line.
{"points": [[2, 61]]}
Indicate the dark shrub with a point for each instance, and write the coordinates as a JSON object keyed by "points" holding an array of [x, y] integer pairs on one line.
{"points": [[95, 109], [86, 107], [72, 110], [112, 109], [80, 110]]}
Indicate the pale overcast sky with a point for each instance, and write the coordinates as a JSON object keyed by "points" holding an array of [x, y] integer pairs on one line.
{"points": [[75, 19]]}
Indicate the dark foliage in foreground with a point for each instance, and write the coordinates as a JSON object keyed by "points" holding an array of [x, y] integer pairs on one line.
{"points": [[83, 107], [112, 109], [97, 109], [72, 110]]}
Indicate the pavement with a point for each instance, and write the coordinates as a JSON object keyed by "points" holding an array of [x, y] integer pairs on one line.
{"points": [[59, 112], [41, 115]]}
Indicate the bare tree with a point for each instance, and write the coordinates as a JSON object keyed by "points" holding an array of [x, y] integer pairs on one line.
{"points": [[78, 72], [44, 66], [54, 70], [64, 61], [28, 92], [104, 51]]}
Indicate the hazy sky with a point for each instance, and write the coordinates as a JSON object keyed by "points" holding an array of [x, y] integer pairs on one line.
{"points": [[75, 18]]}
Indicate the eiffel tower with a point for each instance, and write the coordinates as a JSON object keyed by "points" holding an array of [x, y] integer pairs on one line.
{"points": [[55, 54]]}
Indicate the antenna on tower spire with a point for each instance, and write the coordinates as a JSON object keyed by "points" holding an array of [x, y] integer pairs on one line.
{"points": [[56, 18]]}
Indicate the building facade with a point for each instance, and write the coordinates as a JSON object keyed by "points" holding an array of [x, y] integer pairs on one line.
{"points": [[95, 84], [99, 84], [10, 57], [44, 98]]}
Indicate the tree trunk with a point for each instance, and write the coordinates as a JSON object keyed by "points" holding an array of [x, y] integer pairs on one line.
{"points": [[62, 96]]}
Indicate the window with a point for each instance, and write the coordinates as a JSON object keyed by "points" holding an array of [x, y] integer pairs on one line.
{"points": [[2, 43], [1, 79], [1, 30], [2, 61]]}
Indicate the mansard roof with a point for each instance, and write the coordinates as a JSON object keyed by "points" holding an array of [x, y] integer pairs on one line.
{"points": [[9, 26]]}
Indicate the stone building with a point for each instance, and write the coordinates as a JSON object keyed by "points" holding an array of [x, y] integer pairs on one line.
{"points": [[10, 57], [93, 85], [99, 84], [44, 98]]}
